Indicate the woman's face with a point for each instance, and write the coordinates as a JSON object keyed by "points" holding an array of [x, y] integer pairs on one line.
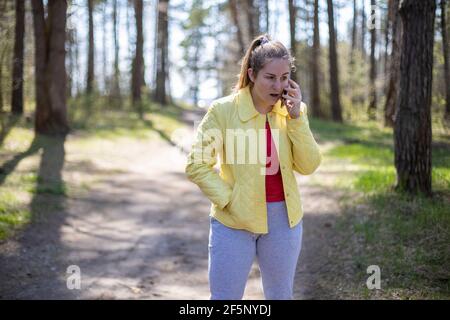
{"points": [[270, 81]]}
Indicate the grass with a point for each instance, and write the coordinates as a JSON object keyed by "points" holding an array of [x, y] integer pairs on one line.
{"points": [[13, 214], [89, 115], [96, 130], [407, 236]]}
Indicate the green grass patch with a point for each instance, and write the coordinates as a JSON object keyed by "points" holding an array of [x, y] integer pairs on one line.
{"points": [[13, 214], [407, 236], [375, 180], [97, 117], [409, 239], [56, 188]]}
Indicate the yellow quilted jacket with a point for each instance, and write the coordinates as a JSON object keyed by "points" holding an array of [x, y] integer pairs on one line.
{"points": [[237, 189]]}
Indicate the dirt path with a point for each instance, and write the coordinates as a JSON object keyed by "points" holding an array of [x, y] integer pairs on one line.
{"points": [[141, 232]]}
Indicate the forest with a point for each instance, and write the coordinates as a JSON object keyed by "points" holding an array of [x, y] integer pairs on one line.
{"points": [[99, 100]]}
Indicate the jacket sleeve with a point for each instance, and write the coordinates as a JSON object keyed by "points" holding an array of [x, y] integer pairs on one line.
{"points": [[305, 151], [202, 158]]}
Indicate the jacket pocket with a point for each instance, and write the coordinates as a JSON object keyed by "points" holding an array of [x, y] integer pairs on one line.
{"points": [[232, 205]]}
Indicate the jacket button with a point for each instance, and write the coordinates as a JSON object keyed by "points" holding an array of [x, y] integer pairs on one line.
{"points": [[287, 194]]}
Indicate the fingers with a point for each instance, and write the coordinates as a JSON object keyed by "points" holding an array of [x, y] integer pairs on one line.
{"points": [[291, 90], [294, 84], [292, 102], [292, 94], [291, 98]]}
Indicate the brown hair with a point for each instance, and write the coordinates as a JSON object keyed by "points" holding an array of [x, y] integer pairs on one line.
{"points": [[261, 50]]}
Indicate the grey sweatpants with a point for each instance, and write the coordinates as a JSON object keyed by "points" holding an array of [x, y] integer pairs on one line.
{"points": [[232, 252]]}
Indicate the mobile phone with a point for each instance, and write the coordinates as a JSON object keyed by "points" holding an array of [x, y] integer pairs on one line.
{"points": [[283, 100]]}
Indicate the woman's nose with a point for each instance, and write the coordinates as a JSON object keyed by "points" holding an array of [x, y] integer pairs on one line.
{"points": [[277, 86]]}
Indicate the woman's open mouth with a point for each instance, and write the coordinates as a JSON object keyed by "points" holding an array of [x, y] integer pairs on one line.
{"points": [[275, 95]]}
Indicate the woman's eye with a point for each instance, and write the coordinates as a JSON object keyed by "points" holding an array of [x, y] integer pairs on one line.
{"points": [[273, 78]]}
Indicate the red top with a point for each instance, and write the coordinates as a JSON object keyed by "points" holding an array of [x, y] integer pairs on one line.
{"points": [[274, 182]]}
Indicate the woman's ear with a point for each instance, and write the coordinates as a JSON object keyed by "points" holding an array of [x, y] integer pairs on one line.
{"points": [[250, 74]]}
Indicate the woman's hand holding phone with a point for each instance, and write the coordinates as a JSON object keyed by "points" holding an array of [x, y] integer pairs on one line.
{"points": [[292, 99]]}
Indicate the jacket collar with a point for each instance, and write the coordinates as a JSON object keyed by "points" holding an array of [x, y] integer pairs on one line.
{"points": [[246, 108]]}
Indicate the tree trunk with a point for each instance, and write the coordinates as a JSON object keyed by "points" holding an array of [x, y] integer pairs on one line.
{"points": [[155, 50], [196, 70], [4, 49], [387, 30], [252, 19], [412, 130], [353, 50], [106, 87], [373, 69], [363, 29], [90, 65], [394, 66], [128, 27], [336, 109], [77, 84], [315, 66], [266, 15], [138, 62], [50, 70], [234, 16], [445, 52], [17, 74], [292, 19], [162, 54], [354, 33], [70, 62], [116, 81], [2, 57], [43, 116]]}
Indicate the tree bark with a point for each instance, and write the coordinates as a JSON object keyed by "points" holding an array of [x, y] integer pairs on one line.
{"points": [[336, 109], [138, 62], [253, 18], [354, 26], [106, 88], [445, 51], [412, 130], [90, 65], [116, 81], [2, 57], [373, 69], [234, 16], [266, 15], [387, 31], [50, 70], [43, 108], [162, 54], [292, 19], [363, 29], [353, 49], [4, 49], [394, 66], [17, 74], [70, 61], [315, 66], [78, 84]]}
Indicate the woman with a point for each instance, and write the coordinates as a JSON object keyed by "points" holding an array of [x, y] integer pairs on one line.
{"points": [[256, 209]]}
